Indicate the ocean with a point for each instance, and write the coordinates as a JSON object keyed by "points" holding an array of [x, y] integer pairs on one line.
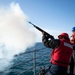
{"points": [[24, 63]]}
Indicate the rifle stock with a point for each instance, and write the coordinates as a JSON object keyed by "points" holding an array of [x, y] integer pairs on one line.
{"points": [[50, 36]]}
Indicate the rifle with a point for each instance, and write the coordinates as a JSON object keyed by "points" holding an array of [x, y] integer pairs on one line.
{"points": [[50, 36]]}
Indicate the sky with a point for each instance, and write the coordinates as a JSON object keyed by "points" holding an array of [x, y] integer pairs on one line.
{"points": [[54, 16]]}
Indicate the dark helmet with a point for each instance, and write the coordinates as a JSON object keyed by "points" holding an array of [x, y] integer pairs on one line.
{"points": [[64, 35], [73, 29]]}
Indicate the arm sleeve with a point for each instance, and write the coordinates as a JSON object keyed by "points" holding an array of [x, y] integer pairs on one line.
{"points": [[50, 43]]}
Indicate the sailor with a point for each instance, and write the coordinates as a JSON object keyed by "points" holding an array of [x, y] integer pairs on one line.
{"points": [[61, 53], [72, 40]]}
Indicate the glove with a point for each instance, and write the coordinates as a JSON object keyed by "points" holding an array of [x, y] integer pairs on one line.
{"points": [[45, 38], [47, 35]]}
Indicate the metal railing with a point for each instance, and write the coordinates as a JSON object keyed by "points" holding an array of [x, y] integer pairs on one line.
{"points": [[38, 58], [36, 66]]}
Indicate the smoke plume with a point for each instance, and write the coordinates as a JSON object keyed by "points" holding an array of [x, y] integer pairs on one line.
{"points": [[15, 34]]}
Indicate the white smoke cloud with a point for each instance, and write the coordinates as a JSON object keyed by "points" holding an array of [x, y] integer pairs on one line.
{"points": [[15, 34]]}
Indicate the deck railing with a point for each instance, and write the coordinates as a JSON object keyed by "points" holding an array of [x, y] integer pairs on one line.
{"points": [[36, 66], [40, 59]]}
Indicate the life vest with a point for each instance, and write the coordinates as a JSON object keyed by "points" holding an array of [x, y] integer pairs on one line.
{"points": [[61, 55]]}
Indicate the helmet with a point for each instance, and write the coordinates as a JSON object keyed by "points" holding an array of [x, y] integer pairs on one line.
{"points": [[63, 35], [73, 29]]}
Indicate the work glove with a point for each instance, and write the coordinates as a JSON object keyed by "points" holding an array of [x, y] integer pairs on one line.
{"points": [[46, 37]]}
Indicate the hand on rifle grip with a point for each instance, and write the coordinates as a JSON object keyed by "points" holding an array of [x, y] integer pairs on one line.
{"points": [[43, 33]]}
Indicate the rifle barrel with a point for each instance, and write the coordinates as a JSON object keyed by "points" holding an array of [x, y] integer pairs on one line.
{"points": [[31, 23], [36, 27], [41, 30]]}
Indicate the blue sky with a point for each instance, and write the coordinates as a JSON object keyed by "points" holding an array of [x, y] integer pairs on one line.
{"points": [[54, 15]]}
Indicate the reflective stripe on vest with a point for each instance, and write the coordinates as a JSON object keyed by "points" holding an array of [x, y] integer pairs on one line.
{"points": [[68, 45]]}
